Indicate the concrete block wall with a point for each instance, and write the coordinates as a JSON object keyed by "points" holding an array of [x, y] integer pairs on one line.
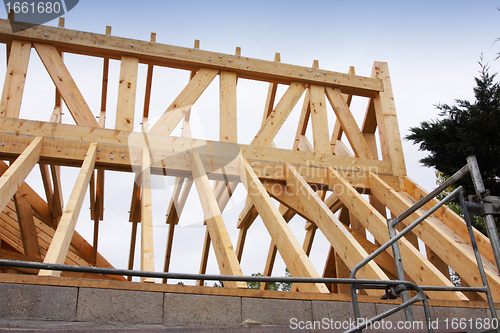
{"points": [[80, 304]]}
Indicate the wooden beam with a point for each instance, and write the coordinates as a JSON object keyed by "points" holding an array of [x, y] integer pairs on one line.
{"points": [[133, 240], [370, 120], [443, 241], [271, 94], [240, 243], [104, 93], [330, 271], [417, 266], [14, 176], [196, 46], [60, 148], [64, 82], [319, 120], [316, 210], [27, 227], [292, 253], [174, 212], [287, 214], [224, 252], [249, 213], [126, 94], [348, 123], [149, 84], [204, 257], [99, 205], [64, 233], [57, 198], [168, 251], [176, 207], [187, 58], [280, 113], [387, 122], [337, 129], [303, 122], [176, 204], [47, 185], [451, 219], [94, 216], [228, 119], [147, 248], [58, 101], [308, 240], [10, 104], [135, 204], [189, 95], [268, 269], [80, 251]]}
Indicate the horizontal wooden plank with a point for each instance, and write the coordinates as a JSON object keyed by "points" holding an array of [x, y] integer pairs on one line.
{"points": [[71, 41], [67, 144]]}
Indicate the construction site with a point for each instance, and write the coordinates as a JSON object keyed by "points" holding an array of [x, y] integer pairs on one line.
{"points": [[393, 248]]}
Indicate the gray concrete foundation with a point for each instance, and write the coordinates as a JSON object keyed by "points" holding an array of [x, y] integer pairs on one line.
{"points": [[83, 305]]}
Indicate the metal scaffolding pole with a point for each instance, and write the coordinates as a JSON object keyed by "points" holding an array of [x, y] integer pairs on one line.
{"points": [[488, 218]]}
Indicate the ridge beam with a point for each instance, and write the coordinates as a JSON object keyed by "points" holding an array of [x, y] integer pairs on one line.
{"points": [[101, 45]]}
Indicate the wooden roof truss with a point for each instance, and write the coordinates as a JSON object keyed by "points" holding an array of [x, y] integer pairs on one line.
{"points": [[342, 190]]}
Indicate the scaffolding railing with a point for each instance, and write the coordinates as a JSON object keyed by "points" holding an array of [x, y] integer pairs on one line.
{"points": [[397, 292]]}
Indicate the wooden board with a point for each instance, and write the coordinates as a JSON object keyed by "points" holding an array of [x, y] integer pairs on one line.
{"points": [[14, 176], [126, 94], [62, 238], [17, 68], [79, 42], [292, 253], [66, 85]]}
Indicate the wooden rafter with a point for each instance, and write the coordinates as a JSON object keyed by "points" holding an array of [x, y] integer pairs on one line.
{"points": [[417, 267], [292, 253], [441, 239], [62, 238]]}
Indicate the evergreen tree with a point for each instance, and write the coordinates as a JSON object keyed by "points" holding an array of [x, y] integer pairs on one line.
{"points": [[282, 286], [466, 129]]}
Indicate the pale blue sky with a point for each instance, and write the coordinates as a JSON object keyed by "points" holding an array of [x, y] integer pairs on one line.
{"points": [[432, 48]]}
